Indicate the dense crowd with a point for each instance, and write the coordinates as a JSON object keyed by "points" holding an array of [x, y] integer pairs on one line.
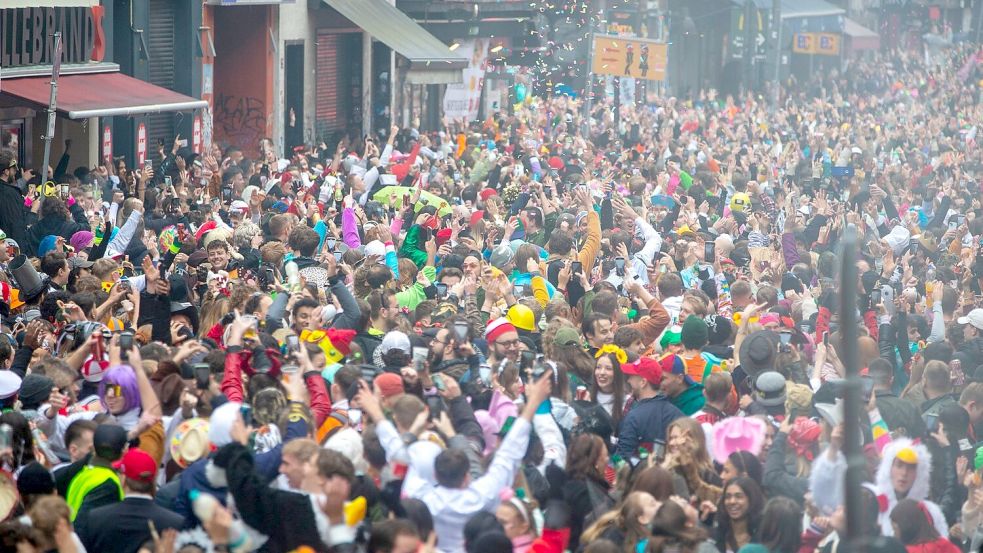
{"points": [[539, 332]]}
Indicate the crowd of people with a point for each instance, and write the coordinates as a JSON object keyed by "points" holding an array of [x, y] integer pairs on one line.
{"points": [[541, 332]]}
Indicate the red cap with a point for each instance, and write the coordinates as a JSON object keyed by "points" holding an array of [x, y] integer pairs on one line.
{"points": [[487, 193], [443, 235], [137, 464], [556, 163], [476, 216], [209, 225], [390, 384], [645, 367]]}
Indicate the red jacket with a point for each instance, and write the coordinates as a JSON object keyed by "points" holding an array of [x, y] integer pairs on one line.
{"points": [[232, 387], [941, 545]]}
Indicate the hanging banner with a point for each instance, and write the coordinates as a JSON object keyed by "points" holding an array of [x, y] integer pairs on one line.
{"points": [[462, 100], [141, 144], [196, 135], [638, 58], [107, 143]]}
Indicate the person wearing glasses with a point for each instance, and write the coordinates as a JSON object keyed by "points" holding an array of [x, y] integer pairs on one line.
{"points": [[12, 198], [503, 342]]}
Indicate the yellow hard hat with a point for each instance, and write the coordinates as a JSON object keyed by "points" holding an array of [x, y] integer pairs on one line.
{"points": [[521, 317], [740, 202]]}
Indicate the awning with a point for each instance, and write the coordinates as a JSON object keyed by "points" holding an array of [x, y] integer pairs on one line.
{"points": [[100, 95], [861, 38], [396, 30], [809, 8]]}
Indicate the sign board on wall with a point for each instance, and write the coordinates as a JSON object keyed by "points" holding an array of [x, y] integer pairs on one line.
{"points": [[27, 35], [141, 144], [638, 58], [196, 135], [823, 44], [107, 142], [462, 100]]}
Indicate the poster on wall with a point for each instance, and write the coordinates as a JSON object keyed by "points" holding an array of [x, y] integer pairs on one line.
{"points": [[107, 142], [141, 144], [462, 100], [196, 135]]}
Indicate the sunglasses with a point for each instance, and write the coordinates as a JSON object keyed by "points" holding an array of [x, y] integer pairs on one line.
{"points": [[116, 389]]}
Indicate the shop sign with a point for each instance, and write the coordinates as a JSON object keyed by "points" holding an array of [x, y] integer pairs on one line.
{"points": [[27, 35], [141, 144], [823, 44], [107, 143]]}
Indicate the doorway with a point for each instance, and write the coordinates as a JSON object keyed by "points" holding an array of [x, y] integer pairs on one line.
{"points": [[293, 112]]}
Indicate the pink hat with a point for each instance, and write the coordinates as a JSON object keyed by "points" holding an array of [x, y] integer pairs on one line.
{"points": [[738, 434], [81, 240]]}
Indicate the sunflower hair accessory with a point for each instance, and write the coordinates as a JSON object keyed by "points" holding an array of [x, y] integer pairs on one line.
{"points": [[619, 353]]}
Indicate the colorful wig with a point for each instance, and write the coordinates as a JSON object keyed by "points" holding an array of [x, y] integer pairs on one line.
{"points": [[124, 377]]}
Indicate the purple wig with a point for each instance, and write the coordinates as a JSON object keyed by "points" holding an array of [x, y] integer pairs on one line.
{"points": [[124, 377]]}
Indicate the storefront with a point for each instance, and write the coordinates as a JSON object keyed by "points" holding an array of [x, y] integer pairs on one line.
{"points": [[238, 72], [93, 93], [364, 84]]}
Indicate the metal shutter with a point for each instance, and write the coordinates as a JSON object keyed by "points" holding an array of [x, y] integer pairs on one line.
{"points": [[160, 38], [326, 102]]}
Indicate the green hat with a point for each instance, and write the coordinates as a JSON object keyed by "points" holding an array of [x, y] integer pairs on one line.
{"points": [[566, 336], [695, 333], [672, 335]]}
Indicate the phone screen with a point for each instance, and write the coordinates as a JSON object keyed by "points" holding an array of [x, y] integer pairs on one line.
{"points": [[202, 372], [710, 251], [576, 267]]}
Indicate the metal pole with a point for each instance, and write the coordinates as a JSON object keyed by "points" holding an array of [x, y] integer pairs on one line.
{"points": [[589, 100], [852, 449], [749, 46], [776, 21], [49, 134]]}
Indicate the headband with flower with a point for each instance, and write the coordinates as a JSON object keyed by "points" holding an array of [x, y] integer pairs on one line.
{"points": [[619, 353]]}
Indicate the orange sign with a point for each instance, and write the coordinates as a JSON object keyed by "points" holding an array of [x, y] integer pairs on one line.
{"points": [[639, 58], [824, 44]]}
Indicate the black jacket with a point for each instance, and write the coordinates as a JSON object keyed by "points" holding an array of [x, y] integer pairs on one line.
{"points": [[900, 414], [12, 213], [124, 526], [286, 517], [57, 226]]}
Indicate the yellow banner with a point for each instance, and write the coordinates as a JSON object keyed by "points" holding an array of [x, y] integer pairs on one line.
{"points": [[638, 58], [823, 44]]}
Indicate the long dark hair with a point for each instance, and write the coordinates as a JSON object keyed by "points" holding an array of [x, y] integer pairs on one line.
{"points": [[756, 502], [781, 526], [582, 457], [670, 532], [617, 389], [914, 523], [22, 444]]}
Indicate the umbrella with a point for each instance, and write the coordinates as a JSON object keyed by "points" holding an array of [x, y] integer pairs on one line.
{"points": [[426, 198]]}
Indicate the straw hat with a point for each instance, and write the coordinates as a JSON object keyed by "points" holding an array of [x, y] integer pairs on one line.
{"points": [[190, 442]]}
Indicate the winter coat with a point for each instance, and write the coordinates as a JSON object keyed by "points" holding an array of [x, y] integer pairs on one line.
{"points": [[886, 497], [644, 424], [55, 225], [900, 414], [12, 213]]}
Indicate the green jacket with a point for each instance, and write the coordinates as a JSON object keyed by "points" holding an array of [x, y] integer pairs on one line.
{"points": [[411, 248], [414, 295], [691, 400]]}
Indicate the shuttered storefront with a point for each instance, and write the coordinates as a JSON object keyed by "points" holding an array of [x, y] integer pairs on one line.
{"points": [[338, 109], [160, 41]]}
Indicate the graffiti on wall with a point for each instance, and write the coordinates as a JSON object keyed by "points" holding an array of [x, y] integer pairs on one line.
{"points": [[239, 121]]}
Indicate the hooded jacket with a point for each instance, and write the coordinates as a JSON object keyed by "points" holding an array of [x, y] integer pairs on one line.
{"points": [[919, 491]]}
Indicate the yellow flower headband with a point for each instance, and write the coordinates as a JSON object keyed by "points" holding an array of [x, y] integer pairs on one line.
{"points": [[619, 353]]}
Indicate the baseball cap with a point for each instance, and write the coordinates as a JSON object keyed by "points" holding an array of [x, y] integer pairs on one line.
{"points": [[108, 441], [395, 340], [645, 367], [672, 363], [137, 465], [975, 318]]}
